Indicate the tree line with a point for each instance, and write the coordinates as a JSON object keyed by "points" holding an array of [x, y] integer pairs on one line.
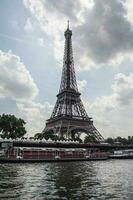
{"points": [[121, 140]]}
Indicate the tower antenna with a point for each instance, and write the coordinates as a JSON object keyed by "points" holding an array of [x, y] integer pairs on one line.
{"points": [[67, 24]]}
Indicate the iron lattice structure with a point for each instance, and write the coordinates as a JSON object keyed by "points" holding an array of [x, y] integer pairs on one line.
{"points": [[69, 117]]}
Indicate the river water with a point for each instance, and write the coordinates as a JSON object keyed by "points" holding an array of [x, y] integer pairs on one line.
{"points": [[110, 179]]}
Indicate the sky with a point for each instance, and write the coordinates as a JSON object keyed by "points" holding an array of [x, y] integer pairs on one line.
{"points": [[31, 59]]}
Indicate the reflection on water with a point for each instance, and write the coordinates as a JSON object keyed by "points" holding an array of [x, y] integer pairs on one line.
{"points": [[73, 180], [9, 185]]}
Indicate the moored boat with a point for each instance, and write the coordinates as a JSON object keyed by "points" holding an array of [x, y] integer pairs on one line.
{"points": [[122, 154], [19, 154]]}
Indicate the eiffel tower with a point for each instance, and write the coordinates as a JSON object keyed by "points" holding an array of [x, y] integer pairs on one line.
{"points": [[69, 118]]}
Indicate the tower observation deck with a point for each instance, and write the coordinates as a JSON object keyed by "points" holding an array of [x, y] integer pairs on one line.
{"points": [[69, 118]]}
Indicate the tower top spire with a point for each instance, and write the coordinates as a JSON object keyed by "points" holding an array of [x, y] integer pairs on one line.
{"points": [[67, 24], [68, 32]]}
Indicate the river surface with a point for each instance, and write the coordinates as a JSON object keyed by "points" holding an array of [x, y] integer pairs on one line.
{"points": [[111, 179]]}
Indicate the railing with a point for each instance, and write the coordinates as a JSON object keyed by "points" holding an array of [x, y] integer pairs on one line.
{"points": [[62, 144]]}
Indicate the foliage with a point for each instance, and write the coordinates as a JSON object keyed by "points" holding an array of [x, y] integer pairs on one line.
{"points": [[124, 141], [51, 135], [47, 135], [89, 138], [11, 127], [110, 140]]}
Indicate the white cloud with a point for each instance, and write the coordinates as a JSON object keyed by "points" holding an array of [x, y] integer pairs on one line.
{"points": [[115, 109], [129, 7], [35, 115], [81, 85], [28, 25], [101, 26], [106, 34], [123, 82], [17, 84], [14, 24], [40, 41], [123, 86], [121, 97], [15, 80], [54, 24], [104, 103]]}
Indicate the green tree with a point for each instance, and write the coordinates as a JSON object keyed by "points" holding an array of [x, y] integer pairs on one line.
{"points": [[11, 127], [89, 138], [130, 140], [47, 135], [110, 140], [123, 141]]}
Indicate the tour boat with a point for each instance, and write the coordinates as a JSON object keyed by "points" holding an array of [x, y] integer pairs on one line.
{"points": [[19, 154]]}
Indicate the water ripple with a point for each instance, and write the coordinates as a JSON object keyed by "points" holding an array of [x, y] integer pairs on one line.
{"points": [[112, 179]]}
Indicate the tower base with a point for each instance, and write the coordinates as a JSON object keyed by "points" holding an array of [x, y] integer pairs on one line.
{"points": [[70, 128]]}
